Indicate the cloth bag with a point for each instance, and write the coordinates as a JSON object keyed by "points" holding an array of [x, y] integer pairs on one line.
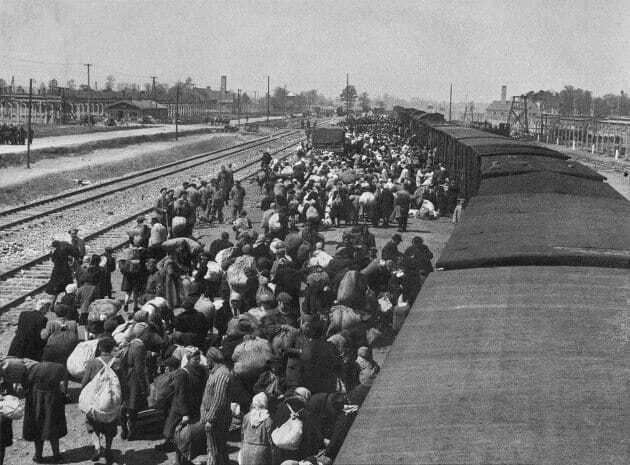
{"points": [[288, 436], [101, 398], [80, 356]]}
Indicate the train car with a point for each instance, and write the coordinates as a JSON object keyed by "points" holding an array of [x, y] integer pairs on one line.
{"points": [[516, 349], [462, 150], [330, 139], [505, 365]]}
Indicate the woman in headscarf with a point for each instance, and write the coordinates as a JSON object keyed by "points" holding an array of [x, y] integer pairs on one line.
{"points": [[27, 342], [256, 433]]}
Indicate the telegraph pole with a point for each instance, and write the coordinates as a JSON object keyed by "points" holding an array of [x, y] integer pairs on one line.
{"points": [[153, 78], [450, 103], [238, 107], [28, 130], [88, 65], [267, 100], [347, 96], [177, 112]]}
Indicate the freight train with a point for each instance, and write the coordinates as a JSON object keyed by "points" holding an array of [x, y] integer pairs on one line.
{"points": [[516, 350]]}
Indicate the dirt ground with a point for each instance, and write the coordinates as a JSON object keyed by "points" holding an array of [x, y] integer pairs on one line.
{"points": [[76, 445]]}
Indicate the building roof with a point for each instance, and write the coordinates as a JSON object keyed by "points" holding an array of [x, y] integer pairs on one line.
{"points": [[136, 104]]}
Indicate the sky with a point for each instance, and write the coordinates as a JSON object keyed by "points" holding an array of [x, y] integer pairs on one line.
{"points": [[403, 48]]}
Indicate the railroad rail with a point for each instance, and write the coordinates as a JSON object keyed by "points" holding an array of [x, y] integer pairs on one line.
{"points": [[30, 278], [52, 204]]}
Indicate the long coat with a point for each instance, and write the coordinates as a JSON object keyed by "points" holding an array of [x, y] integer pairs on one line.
{"points": [[61, 274], [133, 376], [44, 410], [256, 442]]}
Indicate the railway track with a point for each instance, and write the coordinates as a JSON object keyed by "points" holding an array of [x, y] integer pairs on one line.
{"points": [[30, 278], [15, 216]]}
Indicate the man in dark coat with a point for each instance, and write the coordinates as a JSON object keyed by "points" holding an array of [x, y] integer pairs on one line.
{"points": [[320, 361], [386, 205], [417, 266], [188, 386], [403, 201]]}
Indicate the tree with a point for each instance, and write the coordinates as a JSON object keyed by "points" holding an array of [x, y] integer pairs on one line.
{"points": [[349, 96], [109, 82], [364, 101], [188, 83], [72, 84]]}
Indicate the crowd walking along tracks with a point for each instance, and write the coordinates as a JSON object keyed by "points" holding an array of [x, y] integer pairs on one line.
{"points": [[31, 211], [30, 278]]}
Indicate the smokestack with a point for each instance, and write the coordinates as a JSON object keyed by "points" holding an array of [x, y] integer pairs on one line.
{"points": [[223, 83], [504, 93]]}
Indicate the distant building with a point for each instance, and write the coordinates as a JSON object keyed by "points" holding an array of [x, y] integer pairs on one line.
{"points": [[499, 110], [133, 110]]}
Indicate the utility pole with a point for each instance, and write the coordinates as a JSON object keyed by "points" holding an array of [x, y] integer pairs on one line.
{"points": [[267, 100], [28, 130], [238, 107], [88, 65], [347, 96], [177, 113], [450, 103], [153, 78]]}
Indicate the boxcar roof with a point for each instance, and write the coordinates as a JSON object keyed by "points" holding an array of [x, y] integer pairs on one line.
{"points": [[503, 165], [549, 182], [458, 132], [540, 229], [503, 146], [524, 365]]}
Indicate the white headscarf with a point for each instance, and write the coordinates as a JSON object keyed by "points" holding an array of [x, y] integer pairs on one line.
{"points": [[258, 412]]}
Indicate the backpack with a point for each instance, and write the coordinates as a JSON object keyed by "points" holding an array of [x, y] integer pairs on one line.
{"points": [[80, 356], [101, 398], [288, 436]]}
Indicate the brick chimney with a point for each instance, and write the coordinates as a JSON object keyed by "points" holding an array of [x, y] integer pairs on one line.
{"points": [[224, 84], [504, 93]]}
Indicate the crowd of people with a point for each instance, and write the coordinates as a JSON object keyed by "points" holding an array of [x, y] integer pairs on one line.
{"points": [[14, 135], [261, 331]]}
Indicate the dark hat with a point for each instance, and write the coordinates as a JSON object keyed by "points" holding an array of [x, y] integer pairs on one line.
{"points": [[397, 238], [140, 219]]}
